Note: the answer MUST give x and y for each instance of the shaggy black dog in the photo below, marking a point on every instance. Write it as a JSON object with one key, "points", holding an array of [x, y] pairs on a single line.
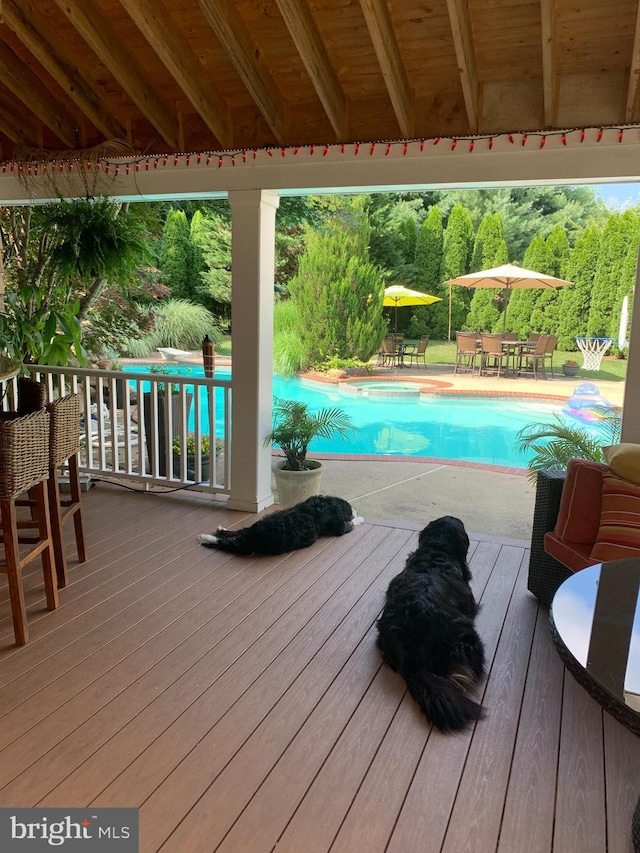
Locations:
{"points": [[426, 631], [288, 529]]}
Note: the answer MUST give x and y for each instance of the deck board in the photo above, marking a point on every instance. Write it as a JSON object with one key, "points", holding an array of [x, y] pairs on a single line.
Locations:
{"points": [[241, 705]]}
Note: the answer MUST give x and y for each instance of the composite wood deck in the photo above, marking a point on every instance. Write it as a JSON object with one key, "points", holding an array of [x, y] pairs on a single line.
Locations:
{"points": [[241, 705]]}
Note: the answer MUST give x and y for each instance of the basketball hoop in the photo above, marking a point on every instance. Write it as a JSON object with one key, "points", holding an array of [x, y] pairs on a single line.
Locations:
{"points": [[593, 350]]}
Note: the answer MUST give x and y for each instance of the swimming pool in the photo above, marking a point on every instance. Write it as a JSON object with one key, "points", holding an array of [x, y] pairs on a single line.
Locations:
{"points": [[471, 429]]}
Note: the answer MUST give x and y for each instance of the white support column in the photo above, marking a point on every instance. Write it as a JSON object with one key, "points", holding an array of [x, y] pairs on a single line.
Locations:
{"points": [[253, 263], [631, 402]]}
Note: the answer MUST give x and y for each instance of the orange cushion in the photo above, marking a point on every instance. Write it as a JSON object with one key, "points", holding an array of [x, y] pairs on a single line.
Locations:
{"points": [[579, 512], [619, 532], [573, 555]]}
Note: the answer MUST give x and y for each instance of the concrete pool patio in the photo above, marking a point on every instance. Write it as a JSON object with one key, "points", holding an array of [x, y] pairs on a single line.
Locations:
{"points": [[489, 500]]}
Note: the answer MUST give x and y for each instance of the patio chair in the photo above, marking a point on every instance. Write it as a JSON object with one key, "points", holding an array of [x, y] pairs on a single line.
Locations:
{"points": [[552, 343], [493, 358], [466, 352], [416, 353], [64, 446], [387, 353], [24, 468], [531, 358]]}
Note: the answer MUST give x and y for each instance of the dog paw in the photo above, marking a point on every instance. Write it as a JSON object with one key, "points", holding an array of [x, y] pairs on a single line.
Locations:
{"points": [[221, 528], [207, 539], [357, 519]]}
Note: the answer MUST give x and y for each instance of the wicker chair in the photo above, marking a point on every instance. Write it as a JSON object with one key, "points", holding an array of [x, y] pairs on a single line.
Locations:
{"points": [[545, 572], [24, 466], [64, 445]]}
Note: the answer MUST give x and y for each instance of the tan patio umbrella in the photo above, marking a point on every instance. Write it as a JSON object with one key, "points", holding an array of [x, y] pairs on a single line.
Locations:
{"points": [[509, 277], [399, 296]]}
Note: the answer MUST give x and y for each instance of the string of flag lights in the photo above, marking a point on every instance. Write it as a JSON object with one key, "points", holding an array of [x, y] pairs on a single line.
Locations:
{"points": [[116, 166]]}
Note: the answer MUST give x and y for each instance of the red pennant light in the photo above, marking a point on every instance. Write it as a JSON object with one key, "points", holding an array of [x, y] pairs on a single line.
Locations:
{"points": [[490, 143], [582, 135], [188, 160], [387, 149], [244, 156], [422, 144], [356, 148], [564, 138], [312, 149], [620, 135], [198, 158], [404, 149], [600, 134], [510, 138], [208, 159], [524, 141], [325, 150], [436, 140], [472, 145], [454, 143], [175, 161], [543, 141], [127, 168], [233, 159], [372, 148]]}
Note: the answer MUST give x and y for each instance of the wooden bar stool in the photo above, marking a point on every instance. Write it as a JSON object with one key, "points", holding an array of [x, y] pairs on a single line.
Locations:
{"points": [[64, 446], [24, 467]]}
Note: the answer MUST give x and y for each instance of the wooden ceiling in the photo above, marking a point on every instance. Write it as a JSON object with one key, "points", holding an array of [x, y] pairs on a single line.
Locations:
{"points": [[199, 75]]}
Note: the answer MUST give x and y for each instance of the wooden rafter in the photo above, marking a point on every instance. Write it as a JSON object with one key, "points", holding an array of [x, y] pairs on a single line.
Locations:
{"points": [[314, 56], [463, 41], [158, 28], [549, 61], [240, 46], [14, 127], [378, 20], [86, 97], [27, 88], [96, 30], [631, 111]]}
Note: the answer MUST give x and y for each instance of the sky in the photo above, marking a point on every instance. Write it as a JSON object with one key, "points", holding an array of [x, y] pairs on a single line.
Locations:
{"points": [[619, 196]]}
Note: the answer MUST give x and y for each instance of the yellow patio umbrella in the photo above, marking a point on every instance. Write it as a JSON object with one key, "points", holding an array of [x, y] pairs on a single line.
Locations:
{"points": [[399, 296], [509, 277]]}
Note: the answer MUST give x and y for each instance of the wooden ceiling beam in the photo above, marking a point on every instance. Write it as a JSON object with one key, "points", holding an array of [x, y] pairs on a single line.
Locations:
{"points": [[631, 110], [241, 49], [314, 56], [34, 95], [159, 29], [16, 129], [463, 42], [376, 13], [87, 98], [98, 33], [549, 61]]}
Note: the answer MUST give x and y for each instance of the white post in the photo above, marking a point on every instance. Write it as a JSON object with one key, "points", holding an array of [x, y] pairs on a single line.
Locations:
{"points": [[631, 402], [253, 264]]}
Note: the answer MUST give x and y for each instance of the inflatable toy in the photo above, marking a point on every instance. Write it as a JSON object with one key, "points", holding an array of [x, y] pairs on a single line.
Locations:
{"points": [[586, 404]]}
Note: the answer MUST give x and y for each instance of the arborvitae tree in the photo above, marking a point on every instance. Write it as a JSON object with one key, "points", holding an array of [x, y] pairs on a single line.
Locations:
{"points": [[213, 238], [198, 228], [490, 250], [522, 302], [458, 246], [430, 320], [626, 285], [574, 300], [338, 293], [618, 232], [175, 254], [545, 316]]}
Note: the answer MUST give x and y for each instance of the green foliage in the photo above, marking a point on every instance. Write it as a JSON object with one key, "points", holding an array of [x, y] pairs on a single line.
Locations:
{"points": [[294, 427], [618, 233], [429, 277], [176, 260], [489, 251], [179, 324], [556, 443], [457, 249], [575, 300], [190, 444], [289, 353], [337, 363], [212, 236], [338, 293]]}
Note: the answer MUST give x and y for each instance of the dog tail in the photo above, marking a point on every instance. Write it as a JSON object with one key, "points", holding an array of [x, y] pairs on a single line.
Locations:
{"points": [[442, 701]]}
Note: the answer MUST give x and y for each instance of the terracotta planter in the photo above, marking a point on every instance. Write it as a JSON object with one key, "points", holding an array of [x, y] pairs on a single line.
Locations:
{"points": [[295, 486]]}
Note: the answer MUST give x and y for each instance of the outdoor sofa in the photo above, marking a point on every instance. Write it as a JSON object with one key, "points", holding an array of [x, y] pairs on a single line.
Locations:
{"points": [[586, 515]]}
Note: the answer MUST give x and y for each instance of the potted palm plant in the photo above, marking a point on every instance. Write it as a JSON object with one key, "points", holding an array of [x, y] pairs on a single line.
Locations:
{"points": [[294, 427]]}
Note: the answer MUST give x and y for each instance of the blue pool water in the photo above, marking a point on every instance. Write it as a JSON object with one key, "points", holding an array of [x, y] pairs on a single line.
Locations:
{"points": [[465, 428]]}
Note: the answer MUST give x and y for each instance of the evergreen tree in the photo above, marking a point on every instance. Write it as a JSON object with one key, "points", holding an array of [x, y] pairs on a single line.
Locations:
{"points": [[458, 246], [626, 284], [619, 231], [545, 315], [212, 236], [432, 320], [490, 250], [175, 254], [574, 301], [338, 293]]}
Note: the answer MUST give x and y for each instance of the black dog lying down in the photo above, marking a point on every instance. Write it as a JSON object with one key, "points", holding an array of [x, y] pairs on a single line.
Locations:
{"points": [[426, 631], [288, 529]]}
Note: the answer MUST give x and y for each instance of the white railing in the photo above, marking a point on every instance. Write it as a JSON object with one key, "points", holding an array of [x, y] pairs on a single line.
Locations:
{"points": [[133, 424]]}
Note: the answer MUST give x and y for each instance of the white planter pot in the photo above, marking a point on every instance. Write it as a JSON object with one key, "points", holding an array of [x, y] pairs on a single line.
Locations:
{"points": [[295, 486]]}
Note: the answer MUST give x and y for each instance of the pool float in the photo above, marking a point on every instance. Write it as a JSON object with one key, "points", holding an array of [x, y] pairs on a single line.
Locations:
{"points": [[586, 404]]}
